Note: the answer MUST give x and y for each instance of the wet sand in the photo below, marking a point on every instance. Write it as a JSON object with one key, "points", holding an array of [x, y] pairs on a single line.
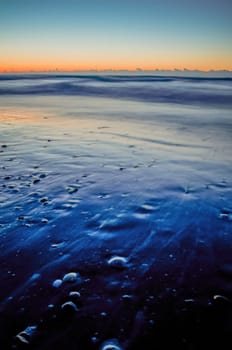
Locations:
{"points": [[116, 224]]}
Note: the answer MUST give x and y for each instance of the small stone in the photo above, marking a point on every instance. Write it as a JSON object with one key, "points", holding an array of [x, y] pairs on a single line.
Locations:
{"points": [[57, 283], [118, 262], [71, 189], [103, 314], [190, 300], [42, 176], [94, 339], [69, 306], [44, 200], [221, 299], [70, 277], [127, 297], [225, 214], [111, 345], [74, 295], [44, 221], [4, 146], [36, 180], [25, 336]]}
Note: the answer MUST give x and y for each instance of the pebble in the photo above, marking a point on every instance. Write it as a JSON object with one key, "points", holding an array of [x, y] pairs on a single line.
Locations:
{"points": [[69, 306], [44, 221], [71, 189], [36, 180], [118, 262], [103, 314], [42, 176], [94, 339], [225, 213], [74, 295], [111, 345], [225, 216], [26, 335], [221, 298], [190, 300], [44, 200], [57, 283], [127, 297], [70, 277]]}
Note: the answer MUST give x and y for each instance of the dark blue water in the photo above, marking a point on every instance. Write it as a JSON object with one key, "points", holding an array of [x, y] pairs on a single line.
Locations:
{"points": [[115, 212]]}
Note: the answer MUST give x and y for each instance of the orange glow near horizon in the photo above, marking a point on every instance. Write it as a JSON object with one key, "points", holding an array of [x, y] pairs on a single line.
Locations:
{"points": [[125, 65], [93, 59]]}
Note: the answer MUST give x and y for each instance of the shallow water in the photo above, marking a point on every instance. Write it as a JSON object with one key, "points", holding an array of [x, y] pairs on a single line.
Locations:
{"points": [[115, 214]]}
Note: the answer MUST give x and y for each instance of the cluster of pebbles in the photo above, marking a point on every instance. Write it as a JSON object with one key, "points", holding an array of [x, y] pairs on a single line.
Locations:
{"points": [[67, 309]]}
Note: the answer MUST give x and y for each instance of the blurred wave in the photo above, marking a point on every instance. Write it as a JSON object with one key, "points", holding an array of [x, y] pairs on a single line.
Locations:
{"points": [[203, 91]]}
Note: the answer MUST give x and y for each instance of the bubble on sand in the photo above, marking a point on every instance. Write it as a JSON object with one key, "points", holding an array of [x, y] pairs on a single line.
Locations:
{"points": [[111, 344], [71, 277], [118, 262], [57, 283]]}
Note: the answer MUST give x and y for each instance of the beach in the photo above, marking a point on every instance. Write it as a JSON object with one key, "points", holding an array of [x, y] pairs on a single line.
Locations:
{"points": [[115, 212]]}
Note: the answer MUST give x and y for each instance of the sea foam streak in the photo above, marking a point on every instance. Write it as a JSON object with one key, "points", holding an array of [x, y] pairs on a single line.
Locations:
{"points": [[116, 214], [206, 91]]}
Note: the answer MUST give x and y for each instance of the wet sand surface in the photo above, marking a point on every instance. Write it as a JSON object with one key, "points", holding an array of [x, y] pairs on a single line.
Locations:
{"points": [[115, 224]]}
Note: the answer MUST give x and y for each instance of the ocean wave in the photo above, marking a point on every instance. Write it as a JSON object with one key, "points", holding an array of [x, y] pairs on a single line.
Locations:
{"points": [[202, 91]]}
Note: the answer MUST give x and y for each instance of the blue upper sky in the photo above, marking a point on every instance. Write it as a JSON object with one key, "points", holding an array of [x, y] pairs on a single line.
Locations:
{"points": [[74, 34]]}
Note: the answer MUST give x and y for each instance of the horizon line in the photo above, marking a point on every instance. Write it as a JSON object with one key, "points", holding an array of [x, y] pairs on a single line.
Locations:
{"points": [[137, 70]]}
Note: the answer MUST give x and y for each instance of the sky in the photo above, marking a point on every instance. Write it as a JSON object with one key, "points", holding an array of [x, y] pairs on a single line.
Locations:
{"points": [[41, 35]]}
